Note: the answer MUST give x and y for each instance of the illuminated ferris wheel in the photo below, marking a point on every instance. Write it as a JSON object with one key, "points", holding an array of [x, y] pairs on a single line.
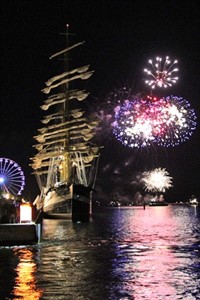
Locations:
{"points": [[12, 179]]}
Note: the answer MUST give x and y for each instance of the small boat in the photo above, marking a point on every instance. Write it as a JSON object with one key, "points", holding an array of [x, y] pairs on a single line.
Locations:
{"points": [[193, 201], [158, 203], [67, 158]]}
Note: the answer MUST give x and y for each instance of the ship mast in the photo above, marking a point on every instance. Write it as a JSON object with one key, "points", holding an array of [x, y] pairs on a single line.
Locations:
{"points": [[63, 144], [65, 171], [65, 166]]}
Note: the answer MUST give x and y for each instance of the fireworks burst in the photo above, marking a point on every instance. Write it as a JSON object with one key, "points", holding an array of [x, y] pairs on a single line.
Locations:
{"points": [[157, 180], [143, 121], [139, 121], [176, 121], [133, 125], [162, 72]]}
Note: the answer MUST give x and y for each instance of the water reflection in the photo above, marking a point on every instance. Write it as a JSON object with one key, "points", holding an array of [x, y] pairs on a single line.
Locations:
{"points": [[25, 282], [148, 269], [157, 250], [125, 253]]}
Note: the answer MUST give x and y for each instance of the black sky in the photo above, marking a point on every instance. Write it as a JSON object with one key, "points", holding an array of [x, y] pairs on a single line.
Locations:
{"points": [[120, 37]]}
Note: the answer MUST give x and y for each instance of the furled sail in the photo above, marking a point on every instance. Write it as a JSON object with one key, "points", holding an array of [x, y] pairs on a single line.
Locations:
{"points": [[83, 76]]}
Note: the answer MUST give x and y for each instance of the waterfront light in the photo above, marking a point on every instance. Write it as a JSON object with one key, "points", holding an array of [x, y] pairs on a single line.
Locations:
{"points": [[25, 213]]}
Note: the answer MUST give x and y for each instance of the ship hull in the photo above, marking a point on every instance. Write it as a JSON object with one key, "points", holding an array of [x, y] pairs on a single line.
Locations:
{"points": [[81, 204], [74, 204]]}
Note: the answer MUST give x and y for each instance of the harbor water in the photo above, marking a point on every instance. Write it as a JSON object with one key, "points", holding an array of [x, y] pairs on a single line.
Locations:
{"points": [[123, 253]]}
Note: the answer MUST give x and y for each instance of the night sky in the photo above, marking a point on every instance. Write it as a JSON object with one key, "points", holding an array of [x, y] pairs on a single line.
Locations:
{"points": [[120, 38]]}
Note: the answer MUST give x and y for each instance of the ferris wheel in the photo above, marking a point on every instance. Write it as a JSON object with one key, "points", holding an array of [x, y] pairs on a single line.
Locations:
{"points": [[12, 179]]}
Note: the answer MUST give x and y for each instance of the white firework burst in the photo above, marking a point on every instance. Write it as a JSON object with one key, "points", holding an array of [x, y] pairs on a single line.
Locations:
{"points": [[157, 180], [161, 72]]}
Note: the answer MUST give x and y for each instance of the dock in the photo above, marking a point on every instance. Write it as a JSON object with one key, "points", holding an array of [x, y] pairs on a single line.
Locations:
{"points": [[19, 234]]}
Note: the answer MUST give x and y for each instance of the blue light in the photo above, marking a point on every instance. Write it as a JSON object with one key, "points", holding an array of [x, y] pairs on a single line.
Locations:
{"points": [[1, 180]]}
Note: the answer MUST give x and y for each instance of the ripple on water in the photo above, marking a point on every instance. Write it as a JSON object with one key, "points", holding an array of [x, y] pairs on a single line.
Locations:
{"points": [[124, 254]]}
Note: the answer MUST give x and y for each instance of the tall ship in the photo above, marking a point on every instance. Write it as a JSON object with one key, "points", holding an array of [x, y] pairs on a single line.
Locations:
{"points": [[66, 161]]}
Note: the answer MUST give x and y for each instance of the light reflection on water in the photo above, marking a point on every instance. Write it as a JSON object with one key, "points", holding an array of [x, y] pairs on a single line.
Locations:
{"points": [[125, 253], [25, 280]]}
